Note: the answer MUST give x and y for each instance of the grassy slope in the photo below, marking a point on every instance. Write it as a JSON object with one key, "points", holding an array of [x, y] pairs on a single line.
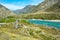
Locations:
{"points": [[27, 32], [41, 15], [49, 13]]}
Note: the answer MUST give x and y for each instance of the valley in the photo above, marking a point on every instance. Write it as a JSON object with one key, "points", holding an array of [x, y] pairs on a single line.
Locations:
{"points": [[28, 31], [33, 22]]}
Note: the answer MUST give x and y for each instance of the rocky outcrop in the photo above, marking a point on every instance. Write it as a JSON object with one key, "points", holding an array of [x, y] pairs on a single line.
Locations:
{"points": [[4, 12], [51, 2]]}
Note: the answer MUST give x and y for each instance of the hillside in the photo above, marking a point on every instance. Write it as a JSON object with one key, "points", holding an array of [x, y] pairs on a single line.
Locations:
{"points": [[54, 8], [25, 10], [45, 12], [30, 9], [4, 12], [28, 31], [42, 15], [40, 7]]}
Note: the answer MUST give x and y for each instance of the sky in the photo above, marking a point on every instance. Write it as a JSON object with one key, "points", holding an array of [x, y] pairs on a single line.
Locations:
{"points": [[19, 4]]}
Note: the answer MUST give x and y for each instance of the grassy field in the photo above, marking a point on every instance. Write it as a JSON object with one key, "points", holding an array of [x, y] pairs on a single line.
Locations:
{"points": [[42, 15], [28, 31]]}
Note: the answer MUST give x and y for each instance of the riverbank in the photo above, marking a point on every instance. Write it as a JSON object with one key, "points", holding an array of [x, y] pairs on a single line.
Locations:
{"points": [[53, 20], [52, 23], [47, 20]]}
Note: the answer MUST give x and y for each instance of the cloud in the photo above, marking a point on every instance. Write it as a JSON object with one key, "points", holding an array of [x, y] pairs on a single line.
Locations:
{"points": [[12, 7], [36, 2], [18, 4]]}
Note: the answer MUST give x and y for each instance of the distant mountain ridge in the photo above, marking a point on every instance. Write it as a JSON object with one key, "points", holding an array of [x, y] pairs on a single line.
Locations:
{"points": [[48, 10], [27, 9], [44, 6]]}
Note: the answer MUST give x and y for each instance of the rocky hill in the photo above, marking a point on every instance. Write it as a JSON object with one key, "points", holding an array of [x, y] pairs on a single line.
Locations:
{"points": [[27, 9], [52, 6], [45, 10], [4, 12]]}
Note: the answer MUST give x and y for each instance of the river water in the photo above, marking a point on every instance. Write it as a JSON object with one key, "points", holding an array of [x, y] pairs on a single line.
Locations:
{"points": [[48, 23]]}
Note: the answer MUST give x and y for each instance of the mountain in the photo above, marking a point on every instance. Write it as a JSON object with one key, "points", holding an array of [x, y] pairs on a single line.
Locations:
{"points": [[49, 6], [49, 10], [4, 12], [27, 9], [54, 8]]}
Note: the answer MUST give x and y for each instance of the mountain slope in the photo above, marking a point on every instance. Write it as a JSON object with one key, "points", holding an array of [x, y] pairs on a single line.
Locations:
{"points": [[27, 9], [45, 12], [54, 8], [44, 6], [4, 12]]}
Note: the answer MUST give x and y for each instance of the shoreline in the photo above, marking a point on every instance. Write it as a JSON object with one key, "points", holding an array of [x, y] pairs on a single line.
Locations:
{"points": [[52, 20], [47, 20]]}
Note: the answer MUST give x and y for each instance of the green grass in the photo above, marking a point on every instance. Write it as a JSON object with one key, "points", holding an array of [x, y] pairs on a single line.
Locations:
{"points": [[25, 21], [31, 32], [46, 16], [8, 19]]}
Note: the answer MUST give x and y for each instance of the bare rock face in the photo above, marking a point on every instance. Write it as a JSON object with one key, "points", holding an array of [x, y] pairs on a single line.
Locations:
{"points": [[48, 3], [51, 2]]}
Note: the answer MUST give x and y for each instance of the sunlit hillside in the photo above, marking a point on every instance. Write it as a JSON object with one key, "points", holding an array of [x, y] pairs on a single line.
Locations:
{"points": [[28, 31], [4, 12], [44, 12]]}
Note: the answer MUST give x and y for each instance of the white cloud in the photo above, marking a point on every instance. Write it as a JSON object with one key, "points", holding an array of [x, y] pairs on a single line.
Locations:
{"points": [[36, 2], [12, 7], [15, 7]]}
